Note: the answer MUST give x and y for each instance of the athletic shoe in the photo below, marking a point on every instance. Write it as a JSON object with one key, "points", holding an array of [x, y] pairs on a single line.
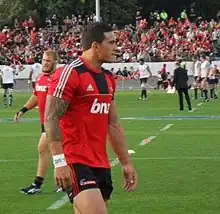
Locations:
{"points": [[31, 190]]}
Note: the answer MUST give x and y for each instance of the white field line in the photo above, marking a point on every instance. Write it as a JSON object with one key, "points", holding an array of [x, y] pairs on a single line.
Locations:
{"points": [[193, 110], [114, 161], [178, 158], [17, 160], [166, 127], [26, 160], [199, 104], [59, 203], [147, 140]]}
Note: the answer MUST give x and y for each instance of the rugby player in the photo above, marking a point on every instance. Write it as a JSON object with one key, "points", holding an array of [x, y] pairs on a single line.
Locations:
{"points": [[49, 62], [80, 105]]}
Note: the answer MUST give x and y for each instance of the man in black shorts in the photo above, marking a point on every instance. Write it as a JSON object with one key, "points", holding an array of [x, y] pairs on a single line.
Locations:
{"points": [[144, 74], [80, 105], [7, 74]]}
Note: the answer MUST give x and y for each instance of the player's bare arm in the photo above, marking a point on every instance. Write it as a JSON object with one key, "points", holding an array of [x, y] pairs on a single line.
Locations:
{"points": [[54, 110], [118, 143], [30, 75], [31, 103], [117, 136], [148, 68]]}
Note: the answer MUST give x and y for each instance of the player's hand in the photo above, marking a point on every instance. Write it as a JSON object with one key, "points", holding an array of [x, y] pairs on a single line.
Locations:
{"points": [[130, 177], [17, 116], [63, 177]]}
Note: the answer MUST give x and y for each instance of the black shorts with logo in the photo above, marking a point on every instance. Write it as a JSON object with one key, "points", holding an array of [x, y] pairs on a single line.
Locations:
{"points": [[86, 177]]}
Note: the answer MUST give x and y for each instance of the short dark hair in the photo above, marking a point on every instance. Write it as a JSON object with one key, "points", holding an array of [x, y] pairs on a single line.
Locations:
{"points": [[177, 63], [94, 32], [203, 56]]}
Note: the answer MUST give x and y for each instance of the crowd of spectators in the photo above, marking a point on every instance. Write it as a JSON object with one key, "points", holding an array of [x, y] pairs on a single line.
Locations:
{"points": [[157, 38]]}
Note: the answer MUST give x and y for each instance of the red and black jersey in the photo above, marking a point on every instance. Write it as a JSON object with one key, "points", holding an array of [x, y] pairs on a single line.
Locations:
{"points": [[84, 125], [40, 90]]}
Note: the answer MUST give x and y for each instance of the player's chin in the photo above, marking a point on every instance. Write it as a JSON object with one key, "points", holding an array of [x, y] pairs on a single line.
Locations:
{"points": [[47, 71], [111, 59]]}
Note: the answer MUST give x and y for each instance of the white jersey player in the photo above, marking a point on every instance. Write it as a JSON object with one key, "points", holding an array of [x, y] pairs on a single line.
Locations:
{"points": [[197, 77], [7, 74], [205, 70], [197, 69], [36, 70], [144, 73], [159, 80], [211, 81]]}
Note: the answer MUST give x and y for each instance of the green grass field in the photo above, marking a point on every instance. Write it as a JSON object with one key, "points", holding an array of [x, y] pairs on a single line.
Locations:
{"points": [[179, 171]]}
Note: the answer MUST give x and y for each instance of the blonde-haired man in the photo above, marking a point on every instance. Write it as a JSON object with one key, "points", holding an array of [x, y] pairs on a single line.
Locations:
{"points": [[49, 62]]}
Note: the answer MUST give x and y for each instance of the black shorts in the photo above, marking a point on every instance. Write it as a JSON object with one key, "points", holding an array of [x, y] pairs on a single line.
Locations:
{"points": [[7, 85], [202, 78], [211, 81], [216, 80], [86, 177], [42, 128], [143, 80]]}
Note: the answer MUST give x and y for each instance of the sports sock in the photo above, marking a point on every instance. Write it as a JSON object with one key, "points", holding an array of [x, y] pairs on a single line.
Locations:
{"points": [[142, 93], [5, 100], [10, 99], [196, 92], [201, 93], [206, 93], [212, 93], [145, 94], [38, 181]]}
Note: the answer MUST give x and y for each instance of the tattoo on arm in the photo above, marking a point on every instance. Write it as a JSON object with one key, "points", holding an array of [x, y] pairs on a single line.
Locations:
{"points": [[55, 109]]}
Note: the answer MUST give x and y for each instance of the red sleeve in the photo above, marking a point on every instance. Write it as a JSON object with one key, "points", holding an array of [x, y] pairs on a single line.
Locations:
{"points": [[113, 86], [63, 83]]}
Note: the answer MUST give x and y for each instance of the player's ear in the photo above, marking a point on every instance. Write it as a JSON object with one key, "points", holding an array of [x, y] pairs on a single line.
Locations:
{"points": [[95, 46]]}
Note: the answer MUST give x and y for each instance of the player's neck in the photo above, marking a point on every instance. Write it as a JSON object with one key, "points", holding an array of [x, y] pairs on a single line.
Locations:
{"points": [[92, 60], [48, 73]]}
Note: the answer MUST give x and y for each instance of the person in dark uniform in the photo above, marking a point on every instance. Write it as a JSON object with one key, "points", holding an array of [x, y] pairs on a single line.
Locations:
{"points": [[180, 81]]}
